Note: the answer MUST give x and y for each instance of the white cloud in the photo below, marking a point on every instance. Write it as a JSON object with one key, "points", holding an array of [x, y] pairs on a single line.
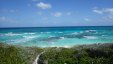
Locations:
{"points": [[57, 14], [98, 11], [103, 10], [107, 13], [43, 5], [109, 10]]}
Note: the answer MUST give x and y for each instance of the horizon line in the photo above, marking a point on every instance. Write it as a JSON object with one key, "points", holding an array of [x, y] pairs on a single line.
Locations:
{"points": [[54, 26]]}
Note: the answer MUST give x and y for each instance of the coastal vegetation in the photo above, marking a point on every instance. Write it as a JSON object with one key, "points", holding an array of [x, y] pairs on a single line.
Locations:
{"points": [[81, 54], [84, 54], [10, 54]]}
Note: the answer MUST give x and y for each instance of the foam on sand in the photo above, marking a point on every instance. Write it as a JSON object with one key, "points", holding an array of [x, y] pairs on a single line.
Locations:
{"points": [[66, 46]]}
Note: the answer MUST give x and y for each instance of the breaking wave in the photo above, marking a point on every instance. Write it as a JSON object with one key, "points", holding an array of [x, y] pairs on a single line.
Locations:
{"points": [[90, 37], [30, 33], [24, 39], [11, 34]]}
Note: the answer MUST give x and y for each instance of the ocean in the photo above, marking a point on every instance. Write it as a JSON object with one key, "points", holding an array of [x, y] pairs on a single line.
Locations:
{"points": [[56, 36]]}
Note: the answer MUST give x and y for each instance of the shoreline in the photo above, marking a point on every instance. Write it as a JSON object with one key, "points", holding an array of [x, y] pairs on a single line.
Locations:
{"points": [[65, 46]]}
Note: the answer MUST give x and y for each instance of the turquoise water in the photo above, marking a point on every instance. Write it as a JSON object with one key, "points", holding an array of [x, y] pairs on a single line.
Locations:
{"points": [[56, 36]]}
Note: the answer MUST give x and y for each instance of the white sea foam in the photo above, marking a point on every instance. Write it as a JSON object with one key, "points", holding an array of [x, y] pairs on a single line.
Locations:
{"points": [[51, 36], [104, 35], [30, 37], [66, 46], [60, 32], [25, 39], [29, 33], [90, 37], [17, 41], [75, 33], [62, 37], [87, 31], [81, 32], [52, 42], [52, 46], [12, 34], [90, 31]]}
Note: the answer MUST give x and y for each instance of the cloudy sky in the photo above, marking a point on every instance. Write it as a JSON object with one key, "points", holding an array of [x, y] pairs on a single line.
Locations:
{"points": [[42, 13]]}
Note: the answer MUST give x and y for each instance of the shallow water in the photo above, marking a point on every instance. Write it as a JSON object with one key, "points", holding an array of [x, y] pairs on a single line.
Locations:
{"points": [[56, 36]]}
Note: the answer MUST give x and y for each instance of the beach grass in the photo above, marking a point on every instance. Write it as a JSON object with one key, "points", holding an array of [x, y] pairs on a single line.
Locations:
{"points": [[10, 54], [82, 54]]}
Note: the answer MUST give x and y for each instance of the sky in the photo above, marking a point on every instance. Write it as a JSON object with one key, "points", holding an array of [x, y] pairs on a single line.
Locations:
{"points": [[46, 13]]}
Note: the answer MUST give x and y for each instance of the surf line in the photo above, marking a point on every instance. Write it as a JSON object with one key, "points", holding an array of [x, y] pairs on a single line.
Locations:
{"points": [[37, 58]]}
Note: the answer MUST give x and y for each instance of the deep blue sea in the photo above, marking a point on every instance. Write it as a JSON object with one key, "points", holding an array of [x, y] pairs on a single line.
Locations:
{"points": [[56, 36]]}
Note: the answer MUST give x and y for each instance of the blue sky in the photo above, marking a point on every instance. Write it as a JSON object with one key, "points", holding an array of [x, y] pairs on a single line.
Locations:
{"points": [[42, 13]]}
